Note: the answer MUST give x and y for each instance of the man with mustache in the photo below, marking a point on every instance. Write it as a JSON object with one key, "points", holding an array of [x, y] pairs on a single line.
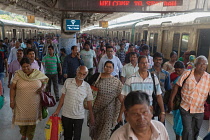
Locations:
{"points": [[138, 115], [194, 93], [162, 75], [142, 80], [74, 92]]}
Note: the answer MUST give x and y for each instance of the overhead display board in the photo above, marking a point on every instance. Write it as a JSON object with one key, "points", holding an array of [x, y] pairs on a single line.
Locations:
{"points": [[71, 25], [127, 5]]}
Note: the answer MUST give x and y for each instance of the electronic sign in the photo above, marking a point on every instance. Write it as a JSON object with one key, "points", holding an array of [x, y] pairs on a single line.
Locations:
{"points": [[71, 25], [120, 5]]}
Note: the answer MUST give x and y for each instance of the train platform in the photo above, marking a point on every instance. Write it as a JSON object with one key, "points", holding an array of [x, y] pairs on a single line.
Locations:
{"points": [[7, 132]]}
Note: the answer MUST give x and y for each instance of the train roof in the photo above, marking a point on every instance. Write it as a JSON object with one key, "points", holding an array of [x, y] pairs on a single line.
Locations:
{"points": [[184, 18], [22, 24]]}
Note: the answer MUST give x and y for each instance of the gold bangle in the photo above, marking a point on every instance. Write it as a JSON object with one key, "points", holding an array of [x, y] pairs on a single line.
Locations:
{"points": [[163, 113]]}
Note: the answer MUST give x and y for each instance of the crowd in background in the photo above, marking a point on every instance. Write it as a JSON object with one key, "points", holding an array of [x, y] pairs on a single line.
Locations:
{"points": [[119, 67]]}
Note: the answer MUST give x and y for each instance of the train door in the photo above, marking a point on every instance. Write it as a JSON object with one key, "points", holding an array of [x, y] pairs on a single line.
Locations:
{"points": [[204, 44], [145, 33], [164, 46], [176, 40], [14, 33]]}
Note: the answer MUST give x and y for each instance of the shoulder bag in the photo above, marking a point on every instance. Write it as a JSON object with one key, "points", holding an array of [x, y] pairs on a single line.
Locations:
{"points": [[47, 100], [178, 98], [94, 92], [156, 108]]}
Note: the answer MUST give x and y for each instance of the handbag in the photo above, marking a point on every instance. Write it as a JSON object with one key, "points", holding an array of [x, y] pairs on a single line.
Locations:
{"points": [[156, 108], [47, 100], [44, 112], [206, 111], [178, 98], [94, 93]]}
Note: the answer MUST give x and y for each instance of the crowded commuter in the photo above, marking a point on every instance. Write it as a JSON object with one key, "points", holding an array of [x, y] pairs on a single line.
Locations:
{"points": [[30, 46], [25, 90], [169, 65], [71, 63], [48, 43], [3, 47], [162, 75], [107, 103], [52, 65], [185, 58], [130, 50], [110, 57], [13, 52], [40, 49], [89, 58], [140, 125], [61, 79], [193, 96], [130, 68], [35, 64], [3, 66], [143, 80], [15, 65], [23, 44], [146, 52], [7, 44], [74, 92], [121, 53], [190, 64], [177, 119]]}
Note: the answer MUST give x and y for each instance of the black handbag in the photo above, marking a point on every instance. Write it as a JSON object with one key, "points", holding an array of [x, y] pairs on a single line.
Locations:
{"points": [[178, 98], [156, 107]]}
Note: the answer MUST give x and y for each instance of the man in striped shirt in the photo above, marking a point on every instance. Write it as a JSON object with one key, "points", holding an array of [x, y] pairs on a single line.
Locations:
{"points": [[142, 80], [51, 62]]}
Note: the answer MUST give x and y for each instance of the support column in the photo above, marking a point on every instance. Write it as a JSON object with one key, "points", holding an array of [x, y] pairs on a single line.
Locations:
{"points": [[67, 41]]}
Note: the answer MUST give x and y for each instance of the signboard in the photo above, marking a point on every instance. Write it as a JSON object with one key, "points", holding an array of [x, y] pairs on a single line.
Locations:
{"points": [[103, 24], [71, 25], [31, 19], [125, 5]]}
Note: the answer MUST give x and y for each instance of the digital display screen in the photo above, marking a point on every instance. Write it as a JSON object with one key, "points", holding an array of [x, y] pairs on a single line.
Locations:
{"points": [[118, 5], [71, 25]]}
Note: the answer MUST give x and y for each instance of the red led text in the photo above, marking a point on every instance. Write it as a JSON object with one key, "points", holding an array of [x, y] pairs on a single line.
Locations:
{"points": [[135, 3]]}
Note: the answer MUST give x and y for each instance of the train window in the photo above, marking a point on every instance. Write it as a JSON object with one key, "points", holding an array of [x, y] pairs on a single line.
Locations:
{"points": [[176, 42], [145, 35], [184, 44], [124, 34], [155, 43], [136, 38], [128, 36]]}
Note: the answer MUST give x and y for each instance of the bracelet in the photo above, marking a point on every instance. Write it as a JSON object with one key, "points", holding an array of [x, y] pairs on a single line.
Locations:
{"points": [[163, 113]]}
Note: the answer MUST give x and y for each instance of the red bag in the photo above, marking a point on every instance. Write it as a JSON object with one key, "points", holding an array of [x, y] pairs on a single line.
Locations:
{"points": [[206, 111], [47, 99]]}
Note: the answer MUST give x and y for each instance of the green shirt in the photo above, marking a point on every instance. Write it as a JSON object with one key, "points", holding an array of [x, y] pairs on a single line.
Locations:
{"points": [[51, 64]]}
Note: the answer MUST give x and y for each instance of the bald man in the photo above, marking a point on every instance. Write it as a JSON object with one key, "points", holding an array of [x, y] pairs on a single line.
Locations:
{"points": [[74, 92]]}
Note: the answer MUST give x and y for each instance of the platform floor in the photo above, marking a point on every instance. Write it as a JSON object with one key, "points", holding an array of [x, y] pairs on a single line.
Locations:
{"points": [[9, 133]]}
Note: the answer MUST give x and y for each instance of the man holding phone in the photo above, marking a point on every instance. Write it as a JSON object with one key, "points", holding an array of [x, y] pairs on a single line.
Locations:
{"points": [[71, 63]]}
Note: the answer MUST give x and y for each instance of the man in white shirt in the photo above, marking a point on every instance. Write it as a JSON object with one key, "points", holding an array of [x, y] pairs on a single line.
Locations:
{"points": [[130, 68], [109, 56], [13, 52], [74, 92], [138, 115]]}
